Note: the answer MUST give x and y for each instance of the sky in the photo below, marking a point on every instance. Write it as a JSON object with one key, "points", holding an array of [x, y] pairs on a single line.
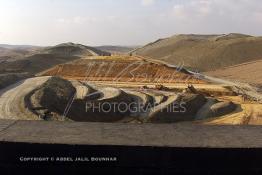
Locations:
{"points": [[123, 22]]}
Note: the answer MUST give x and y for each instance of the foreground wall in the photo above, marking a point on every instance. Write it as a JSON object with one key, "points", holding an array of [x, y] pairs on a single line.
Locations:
{"points": [[140, 149]]}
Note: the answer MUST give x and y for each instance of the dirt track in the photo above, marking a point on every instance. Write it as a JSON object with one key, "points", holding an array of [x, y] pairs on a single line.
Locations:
{"points": [[12, 99]]}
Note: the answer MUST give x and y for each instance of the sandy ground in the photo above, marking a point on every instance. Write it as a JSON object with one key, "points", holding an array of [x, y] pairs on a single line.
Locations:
{"points": [[250, 72], [210, 87], [12, 99], [248, 113]]}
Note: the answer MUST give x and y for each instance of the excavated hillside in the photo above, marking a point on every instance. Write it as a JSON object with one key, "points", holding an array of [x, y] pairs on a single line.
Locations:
{"points": [[204, 52], [60, 99], [126, 69]]}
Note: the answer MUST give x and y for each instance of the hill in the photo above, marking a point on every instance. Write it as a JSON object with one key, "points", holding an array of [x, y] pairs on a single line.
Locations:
{"points": [[249, 72], [13, 53], [204, 52], [46, 58], [71, 49]]}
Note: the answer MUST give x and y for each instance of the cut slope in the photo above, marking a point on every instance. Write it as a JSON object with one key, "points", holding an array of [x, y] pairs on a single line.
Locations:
{"points": [[121, 70], [204, 52]]}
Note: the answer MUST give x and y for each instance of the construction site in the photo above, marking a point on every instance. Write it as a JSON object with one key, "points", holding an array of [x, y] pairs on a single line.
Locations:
{"points": [[129, 89]]}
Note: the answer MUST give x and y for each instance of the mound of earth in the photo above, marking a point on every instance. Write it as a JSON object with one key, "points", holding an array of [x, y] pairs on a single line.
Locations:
{"points": [[112, 105], [55, 94], [204, 52], [98, 105], [84, 102], [222, 108], [214, 108], [192, 103], [183, 108]]}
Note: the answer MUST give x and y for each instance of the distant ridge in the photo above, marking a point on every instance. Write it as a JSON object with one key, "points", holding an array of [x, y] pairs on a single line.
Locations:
{"points": [[116, 49], [72, 49], [204, 52], [9, 46], [46, 58]]}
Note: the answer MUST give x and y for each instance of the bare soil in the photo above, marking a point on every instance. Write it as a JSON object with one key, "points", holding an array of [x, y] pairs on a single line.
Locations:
{"points": [[125, 69], [250, 72], [204, 52]]}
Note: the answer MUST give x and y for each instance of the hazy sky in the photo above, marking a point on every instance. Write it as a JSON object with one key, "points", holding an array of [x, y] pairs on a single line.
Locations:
{"points": [[122, 22]]}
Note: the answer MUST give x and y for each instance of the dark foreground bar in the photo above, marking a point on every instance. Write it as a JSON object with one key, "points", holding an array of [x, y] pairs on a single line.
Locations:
{"points": [[129, 159], [137, 149]]}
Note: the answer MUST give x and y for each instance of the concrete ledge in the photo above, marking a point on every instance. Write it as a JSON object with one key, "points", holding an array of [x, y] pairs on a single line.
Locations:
{"points": [[181, 135], [4, 124]]}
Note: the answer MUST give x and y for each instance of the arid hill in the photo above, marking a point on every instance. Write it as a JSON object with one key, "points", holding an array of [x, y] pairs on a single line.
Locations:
{"points": [[204, 52], [71, 49], [8, 79], [47, 58], [15, 63], [249, 72], [12, 53]]}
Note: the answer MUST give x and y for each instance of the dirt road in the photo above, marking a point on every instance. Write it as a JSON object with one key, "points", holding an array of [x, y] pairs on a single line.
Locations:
{"points": [[241, 88], [118, 84], [12, 99]]}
